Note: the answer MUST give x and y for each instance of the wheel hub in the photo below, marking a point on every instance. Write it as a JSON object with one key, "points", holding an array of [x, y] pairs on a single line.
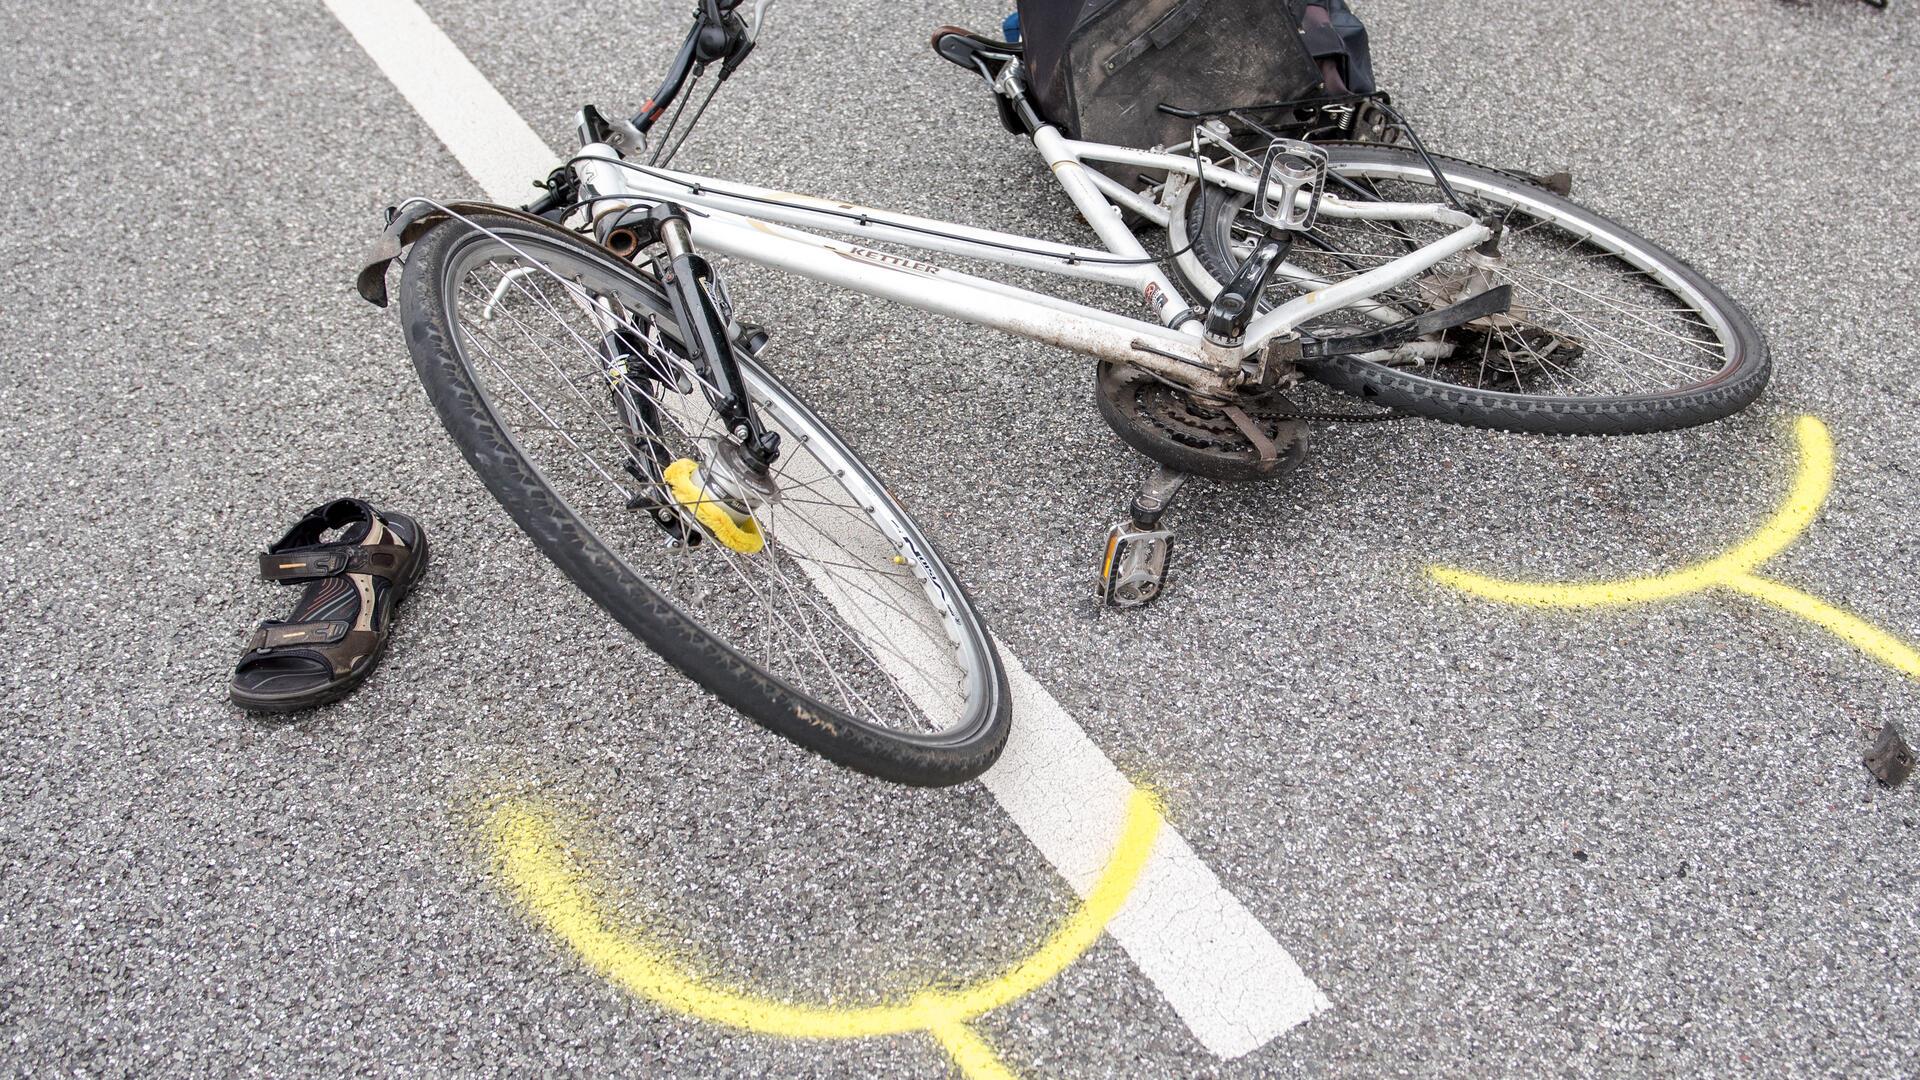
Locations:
{"points": [[1512, 351]]}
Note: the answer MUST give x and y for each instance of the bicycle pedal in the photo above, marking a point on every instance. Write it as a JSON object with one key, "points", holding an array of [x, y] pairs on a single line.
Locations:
{"points": [[1292, 176], [1135, 568]]}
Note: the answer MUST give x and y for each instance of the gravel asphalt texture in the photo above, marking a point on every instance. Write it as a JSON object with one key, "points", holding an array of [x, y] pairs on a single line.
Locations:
{"points": [[1500, 841]]}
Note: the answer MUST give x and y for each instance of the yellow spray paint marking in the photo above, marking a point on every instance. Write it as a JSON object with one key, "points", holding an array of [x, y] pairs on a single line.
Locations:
{"points": [[530, 853], [1736, 570], [682, 479]]}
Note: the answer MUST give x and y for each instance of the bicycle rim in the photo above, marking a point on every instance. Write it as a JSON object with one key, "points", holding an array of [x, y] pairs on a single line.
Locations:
{"points": [[845, 604], [1608, 333]]}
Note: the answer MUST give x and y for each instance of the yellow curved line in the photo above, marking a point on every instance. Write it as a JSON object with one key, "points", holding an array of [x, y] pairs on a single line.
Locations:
{"points": [[975, 1058], [1811, 484], [1844, 625], [530, 854]]}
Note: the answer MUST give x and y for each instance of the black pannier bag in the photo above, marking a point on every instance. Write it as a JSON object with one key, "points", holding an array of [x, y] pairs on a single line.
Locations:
{"points": [[1100, 68]]}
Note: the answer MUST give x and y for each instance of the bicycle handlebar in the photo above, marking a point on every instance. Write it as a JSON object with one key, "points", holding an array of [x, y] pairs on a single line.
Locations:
{"points": [[719, 34]]}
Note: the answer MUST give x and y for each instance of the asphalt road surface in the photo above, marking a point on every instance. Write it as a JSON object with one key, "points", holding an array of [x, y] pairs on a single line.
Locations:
{"points": [[1497, 840]]}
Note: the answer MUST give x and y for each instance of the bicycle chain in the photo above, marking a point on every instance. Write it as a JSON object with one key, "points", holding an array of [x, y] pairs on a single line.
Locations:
{"points": [[1381, 417]]}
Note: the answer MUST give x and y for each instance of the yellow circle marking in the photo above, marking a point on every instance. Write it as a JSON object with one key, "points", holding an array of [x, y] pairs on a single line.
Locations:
{"points": [[531, 856], [1735, 570], [712, 517]]}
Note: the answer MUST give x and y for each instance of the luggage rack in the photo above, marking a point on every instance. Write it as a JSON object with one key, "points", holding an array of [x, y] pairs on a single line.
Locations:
{"points": [[1347, 117], [1372, 114]]}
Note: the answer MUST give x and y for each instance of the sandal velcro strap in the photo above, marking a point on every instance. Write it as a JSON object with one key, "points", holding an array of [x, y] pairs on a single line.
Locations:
{"points": [[302, 565], [309, 634], [307, 564]]}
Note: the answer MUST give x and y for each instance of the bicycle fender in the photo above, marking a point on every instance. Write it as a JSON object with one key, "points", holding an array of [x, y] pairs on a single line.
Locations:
{"points": [[404, 226]]}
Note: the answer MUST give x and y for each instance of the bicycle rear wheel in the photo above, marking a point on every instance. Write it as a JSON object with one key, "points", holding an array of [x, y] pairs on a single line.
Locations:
{"points": [[818, 608], [1609, 333]]}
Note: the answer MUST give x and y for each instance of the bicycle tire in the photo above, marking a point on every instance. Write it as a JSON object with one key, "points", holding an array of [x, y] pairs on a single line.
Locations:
{"points": [[427, 310], [1735, 386]]}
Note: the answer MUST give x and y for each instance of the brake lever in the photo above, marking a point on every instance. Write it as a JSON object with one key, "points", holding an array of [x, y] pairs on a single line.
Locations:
{"points": [[757, 20], [748, 37]]}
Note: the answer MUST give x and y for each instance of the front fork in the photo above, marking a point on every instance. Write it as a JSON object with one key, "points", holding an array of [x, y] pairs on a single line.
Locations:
{"points": [[693, 290], [737, 470]]}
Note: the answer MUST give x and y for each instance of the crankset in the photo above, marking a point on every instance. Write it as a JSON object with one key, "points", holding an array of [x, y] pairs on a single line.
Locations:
{"points": [[1247, 438]]}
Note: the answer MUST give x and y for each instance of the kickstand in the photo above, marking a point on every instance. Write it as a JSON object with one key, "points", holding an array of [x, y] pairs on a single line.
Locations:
{"points": [[1134, 570]]}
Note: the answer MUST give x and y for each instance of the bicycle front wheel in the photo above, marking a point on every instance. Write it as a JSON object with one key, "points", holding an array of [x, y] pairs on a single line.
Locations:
{"points": [[818, 609], [1609, 334]]}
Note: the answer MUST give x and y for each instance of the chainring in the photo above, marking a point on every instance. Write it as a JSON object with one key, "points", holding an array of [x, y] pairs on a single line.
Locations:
{"points": [[1204, 438]]}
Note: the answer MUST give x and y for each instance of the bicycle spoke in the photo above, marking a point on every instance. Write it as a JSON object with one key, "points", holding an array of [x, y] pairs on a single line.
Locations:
{"points": [[594, 394], [1585, 321]]}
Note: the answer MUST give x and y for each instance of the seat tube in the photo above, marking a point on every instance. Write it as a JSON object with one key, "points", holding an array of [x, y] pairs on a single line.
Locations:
{"points": [[1156, 290]]}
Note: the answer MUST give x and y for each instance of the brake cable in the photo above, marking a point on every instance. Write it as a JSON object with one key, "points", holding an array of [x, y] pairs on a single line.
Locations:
{"points": [[684, 94]]}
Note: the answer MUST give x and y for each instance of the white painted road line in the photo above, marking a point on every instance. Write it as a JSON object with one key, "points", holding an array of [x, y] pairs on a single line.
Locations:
{"points": [[1223, 973], [1233, 984], [486, 136]]}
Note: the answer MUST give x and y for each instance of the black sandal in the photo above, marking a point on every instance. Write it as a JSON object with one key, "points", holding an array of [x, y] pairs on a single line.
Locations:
{"points": [[338, 632]]}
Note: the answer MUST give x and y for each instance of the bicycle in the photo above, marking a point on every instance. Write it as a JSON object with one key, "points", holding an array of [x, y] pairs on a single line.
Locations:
{"points": [[586, 356]]}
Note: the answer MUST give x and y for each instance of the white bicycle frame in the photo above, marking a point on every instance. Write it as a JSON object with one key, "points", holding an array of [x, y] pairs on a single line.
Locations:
{"points": [[763, 226]]}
